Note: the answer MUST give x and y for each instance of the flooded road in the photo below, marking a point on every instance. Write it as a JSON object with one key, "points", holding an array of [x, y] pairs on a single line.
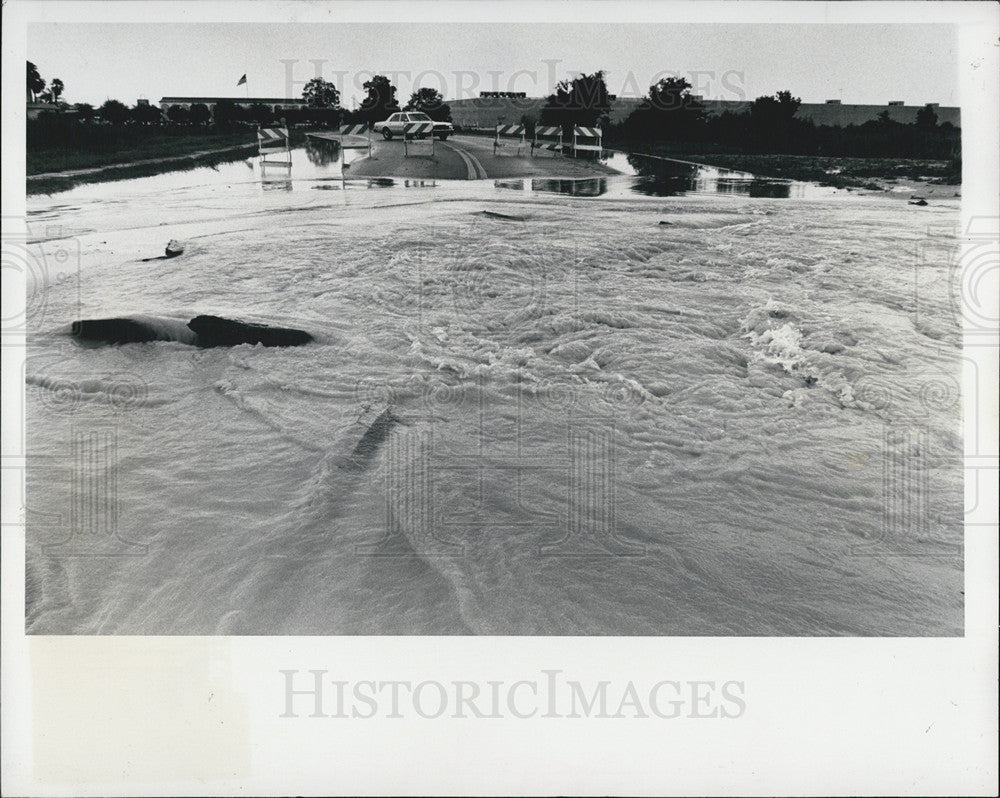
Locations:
{"points": [[673, 402]]}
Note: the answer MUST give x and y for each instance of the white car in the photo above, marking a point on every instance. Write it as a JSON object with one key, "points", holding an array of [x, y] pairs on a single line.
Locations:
{"points": [[395, 124]]}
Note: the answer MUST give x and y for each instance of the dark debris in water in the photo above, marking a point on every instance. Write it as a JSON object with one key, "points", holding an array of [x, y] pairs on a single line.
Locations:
{"points": [[215, 331], [174, 248], [202, 331], [504, 216]]}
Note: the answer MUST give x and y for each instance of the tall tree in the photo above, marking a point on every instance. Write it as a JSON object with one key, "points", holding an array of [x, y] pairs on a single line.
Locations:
{"points": [[789, 105], [431, 102], [114, 112], [319, 93], [927, 117], [36, 85], [772, 121], [56, 87], [668, 113], [581, 101], [380, 100]]}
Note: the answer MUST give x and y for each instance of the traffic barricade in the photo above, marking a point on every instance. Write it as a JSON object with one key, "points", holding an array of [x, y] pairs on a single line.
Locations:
{"points": [[508, 131], [355, 131], [414, 133], [548, 139], [273, 146], [587, 139]]}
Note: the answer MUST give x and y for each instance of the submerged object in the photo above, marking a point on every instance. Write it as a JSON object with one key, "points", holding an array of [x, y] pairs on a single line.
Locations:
{"points": [[217, 331], [505, 216], [203, 331], [373, 438], [132, 330], [174, 248], [920, 202]]}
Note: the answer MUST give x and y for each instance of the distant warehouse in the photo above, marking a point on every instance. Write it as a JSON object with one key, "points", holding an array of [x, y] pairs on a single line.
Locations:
{"points": [[277, 104], [491, 107]]}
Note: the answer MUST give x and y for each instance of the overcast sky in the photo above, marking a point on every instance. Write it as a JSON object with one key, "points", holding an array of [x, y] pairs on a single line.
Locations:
{"points": [[869, 64]]}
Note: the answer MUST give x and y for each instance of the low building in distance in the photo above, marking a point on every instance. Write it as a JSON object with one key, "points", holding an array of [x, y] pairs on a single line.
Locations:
{"points": [[491, 107]]}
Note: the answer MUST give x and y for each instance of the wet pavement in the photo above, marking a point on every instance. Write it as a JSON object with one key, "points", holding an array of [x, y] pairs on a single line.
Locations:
{"points": [[321, 173], [460, 158]]}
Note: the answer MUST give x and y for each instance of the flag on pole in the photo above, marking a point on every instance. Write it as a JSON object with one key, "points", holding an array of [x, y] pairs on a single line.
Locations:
{"points": [[242, 80]]}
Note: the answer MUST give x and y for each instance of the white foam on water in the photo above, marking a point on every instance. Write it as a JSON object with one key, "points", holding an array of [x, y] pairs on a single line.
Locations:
{"points": [[606, 425]]}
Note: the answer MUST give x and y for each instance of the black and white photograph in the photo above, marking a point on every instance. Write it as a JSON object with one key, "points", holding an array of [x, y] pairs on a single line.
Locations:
{"points": [[348, 324]]}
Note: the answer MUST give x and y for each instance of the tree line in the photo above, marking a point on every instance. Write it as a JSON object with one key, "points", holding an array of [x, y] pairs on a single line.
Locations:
{"points": [[321, 99], [668, 117], [378, 103], [671, 117]]}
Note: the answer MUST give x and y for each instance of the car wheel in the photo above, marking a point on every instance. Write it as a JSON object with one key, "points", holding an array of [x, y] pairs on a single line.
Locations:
{"points": [[386, 134]]}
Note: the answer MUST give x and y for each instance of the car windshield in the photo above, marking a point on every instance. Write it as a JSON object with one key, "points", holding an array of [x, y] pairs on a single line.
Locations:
{"points": [[420, 118]]}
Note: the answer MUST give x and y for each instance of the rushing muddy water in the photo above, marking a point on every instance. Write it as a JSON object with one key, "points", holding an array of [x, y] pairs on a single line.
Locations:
{"points": [[582, 412]]}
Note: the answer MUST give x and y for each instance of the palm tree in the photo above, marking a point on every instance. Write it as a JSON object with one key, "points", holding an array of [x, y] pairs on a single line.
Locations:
{"points": [[35, 83], [56, 87]]}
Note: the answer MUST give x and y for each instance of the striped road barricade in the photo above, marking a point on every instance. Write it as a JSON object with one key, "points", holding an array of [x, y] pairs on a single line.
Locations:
{"points": [[510, 132], [413, 131], [355, 131], [273, 146], [587, 139], [548, 139]]}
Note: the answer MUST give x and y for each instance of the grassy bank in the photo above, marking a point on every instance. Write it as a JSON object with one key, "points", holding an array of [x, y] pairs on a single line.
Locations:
{"points": [[56, 183], [842, 172], [155, 144], [53, 169], [872, 173]]}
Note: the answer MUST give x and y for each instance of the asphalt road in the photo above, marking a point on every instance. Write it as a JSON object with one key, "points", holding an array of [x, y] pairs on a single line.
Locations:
{"points": [[466, 158]]}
